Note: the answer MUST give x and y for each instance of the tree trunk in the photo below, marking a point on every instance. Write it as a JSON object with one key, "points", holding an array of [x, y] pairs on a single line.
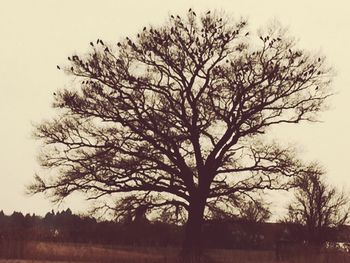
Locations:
{"points": [[191, 250]]}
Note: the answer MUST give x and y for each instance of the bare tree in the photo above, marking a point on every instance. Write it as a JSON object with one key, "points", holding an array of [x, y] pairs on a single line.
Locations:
{"points": [[240, 207], [172, 116], [256, 211], [317, 206]]}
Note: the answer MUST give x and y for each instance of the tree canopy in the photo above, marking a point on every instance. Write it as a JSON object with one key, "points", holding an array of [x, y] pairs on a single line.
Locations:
{"points": [[318, 206], [171, 118]]}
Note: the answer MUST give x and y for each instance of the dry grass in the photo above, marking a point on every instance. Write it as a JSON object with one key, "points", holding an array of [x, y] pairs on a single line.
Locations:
{"points": [[40, 252], [242, 256], [75, 252]]}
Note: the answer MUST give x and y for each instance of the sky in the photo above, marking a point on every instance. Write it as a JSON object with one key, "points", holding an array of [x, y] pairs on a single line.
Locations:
{"points": [[37, 35]]}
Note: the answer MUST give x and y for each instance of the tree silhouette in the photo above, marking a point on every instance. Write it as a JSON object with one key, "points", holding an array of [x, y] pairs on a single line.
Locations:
{"points": [[252, 216], [255, 211], [317, 206], [172, 117]]}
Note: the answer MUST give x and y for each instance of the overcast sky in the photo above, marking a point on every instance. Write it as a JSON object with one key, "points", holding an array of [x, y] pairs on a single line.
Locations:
{"points": [[35, 36]]}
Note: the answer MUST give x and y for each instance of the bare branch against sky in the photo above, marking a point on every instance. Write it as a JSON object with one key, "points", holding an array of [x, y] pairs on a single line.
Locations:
{"points": [[38, 35]]}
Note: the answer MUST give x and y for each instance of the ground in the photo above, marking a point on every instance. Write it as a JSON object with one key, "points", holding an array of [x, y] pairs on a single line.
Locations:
{"points": [[46, 252]]}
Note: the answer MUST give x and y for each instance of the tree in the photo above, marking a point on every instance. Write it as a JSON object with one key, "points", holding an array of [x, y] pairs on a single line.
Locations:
{"points": [[317, 206], [173, 116], [253, 215], [255, 211]]}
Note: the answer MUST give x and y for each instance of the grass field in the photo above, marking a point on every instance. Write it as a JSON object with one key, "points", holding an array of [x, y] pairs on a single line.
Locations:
{"points": [[40, 252]]}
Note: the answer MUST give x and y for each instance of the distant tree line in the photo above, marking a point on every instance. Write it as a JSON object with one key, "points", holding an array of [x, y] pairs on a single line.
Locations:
{"points": [[243, 232], [65, 226]]}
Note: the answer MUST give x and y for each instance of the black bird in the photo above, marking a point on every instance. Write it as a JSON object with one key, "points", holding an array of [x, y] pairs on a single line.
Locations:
{"points": [[246, 34], [54, 93], [71, 68], [319, 59], [189, 10], [194, 14], [279, 39], [172, 16], [92, 44], [68, 58], [316, 88], [208, 12], [118, 44], [102, 42], [144, 28], [178, 16], [106, 49], [58, 67], [98, 40]]}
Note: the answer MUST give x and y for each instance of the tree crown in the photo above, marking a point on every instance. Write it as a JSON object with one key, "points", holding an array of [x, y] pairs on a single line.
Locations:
{"points": [[176, 109]]}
